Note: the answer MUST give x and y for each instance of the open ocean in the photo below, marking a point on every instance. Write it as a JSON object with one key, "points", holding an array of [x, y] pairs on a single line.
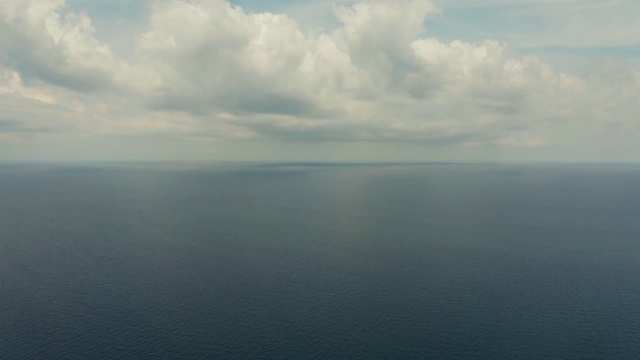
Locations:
{"points": [[319, 261]]}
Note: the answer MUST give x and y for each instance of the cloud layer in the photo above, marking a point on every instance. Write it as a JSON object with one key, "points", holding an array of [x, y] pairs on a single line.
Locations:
{"points": [[210, 70]]}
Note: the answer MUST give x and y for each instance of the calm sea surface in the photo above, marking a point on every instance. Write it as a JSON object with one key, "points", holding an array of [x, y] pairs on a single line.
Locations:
{"points": [[307, 261]]}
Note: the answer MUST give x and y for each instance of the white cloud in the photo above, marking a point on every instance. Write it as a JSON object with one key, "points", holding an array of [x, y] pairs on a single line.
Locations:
{"points": [[207, 69], [373, 78], [14, 85], [45, 41]]}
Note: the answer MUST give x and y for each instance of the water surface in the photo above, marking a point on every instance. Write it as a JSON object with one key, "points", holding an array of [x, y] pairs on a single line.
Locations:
{"points": [[319, 261]]}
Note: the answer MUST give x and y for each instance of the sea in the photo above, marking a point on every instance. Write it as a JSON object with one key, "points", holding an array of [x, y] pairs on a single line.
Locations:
{"points": [[319, 261]]}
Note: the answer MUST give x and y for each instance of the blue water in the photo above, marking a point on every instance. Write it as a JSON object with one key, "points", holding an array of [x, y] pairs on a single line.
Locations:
{"points": [[309, 261]]}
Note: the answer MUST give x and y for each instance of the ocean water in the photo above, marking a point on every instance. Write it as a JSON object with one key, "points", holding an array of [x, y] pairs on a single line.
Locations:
{"points": [[319, 261]]}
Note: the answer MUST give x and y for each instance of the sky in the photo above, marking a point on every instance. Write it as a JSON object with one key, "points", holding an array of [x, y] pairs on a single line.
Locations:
{"points": [[343, 80]]}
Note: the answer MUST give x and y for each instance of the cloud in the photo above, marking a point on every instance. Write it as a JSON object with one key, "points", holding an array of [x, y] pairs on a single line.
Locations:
{"points": [[14, 85], [44, 41], [376, 77], [210, 69], [226, 59]]}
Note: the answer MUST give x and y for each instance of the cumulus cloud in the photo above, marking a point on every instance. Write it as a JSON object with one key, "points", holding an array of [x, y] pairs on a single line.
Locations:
{"points": [[44, 41], [209, 68], [376, 77]]}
